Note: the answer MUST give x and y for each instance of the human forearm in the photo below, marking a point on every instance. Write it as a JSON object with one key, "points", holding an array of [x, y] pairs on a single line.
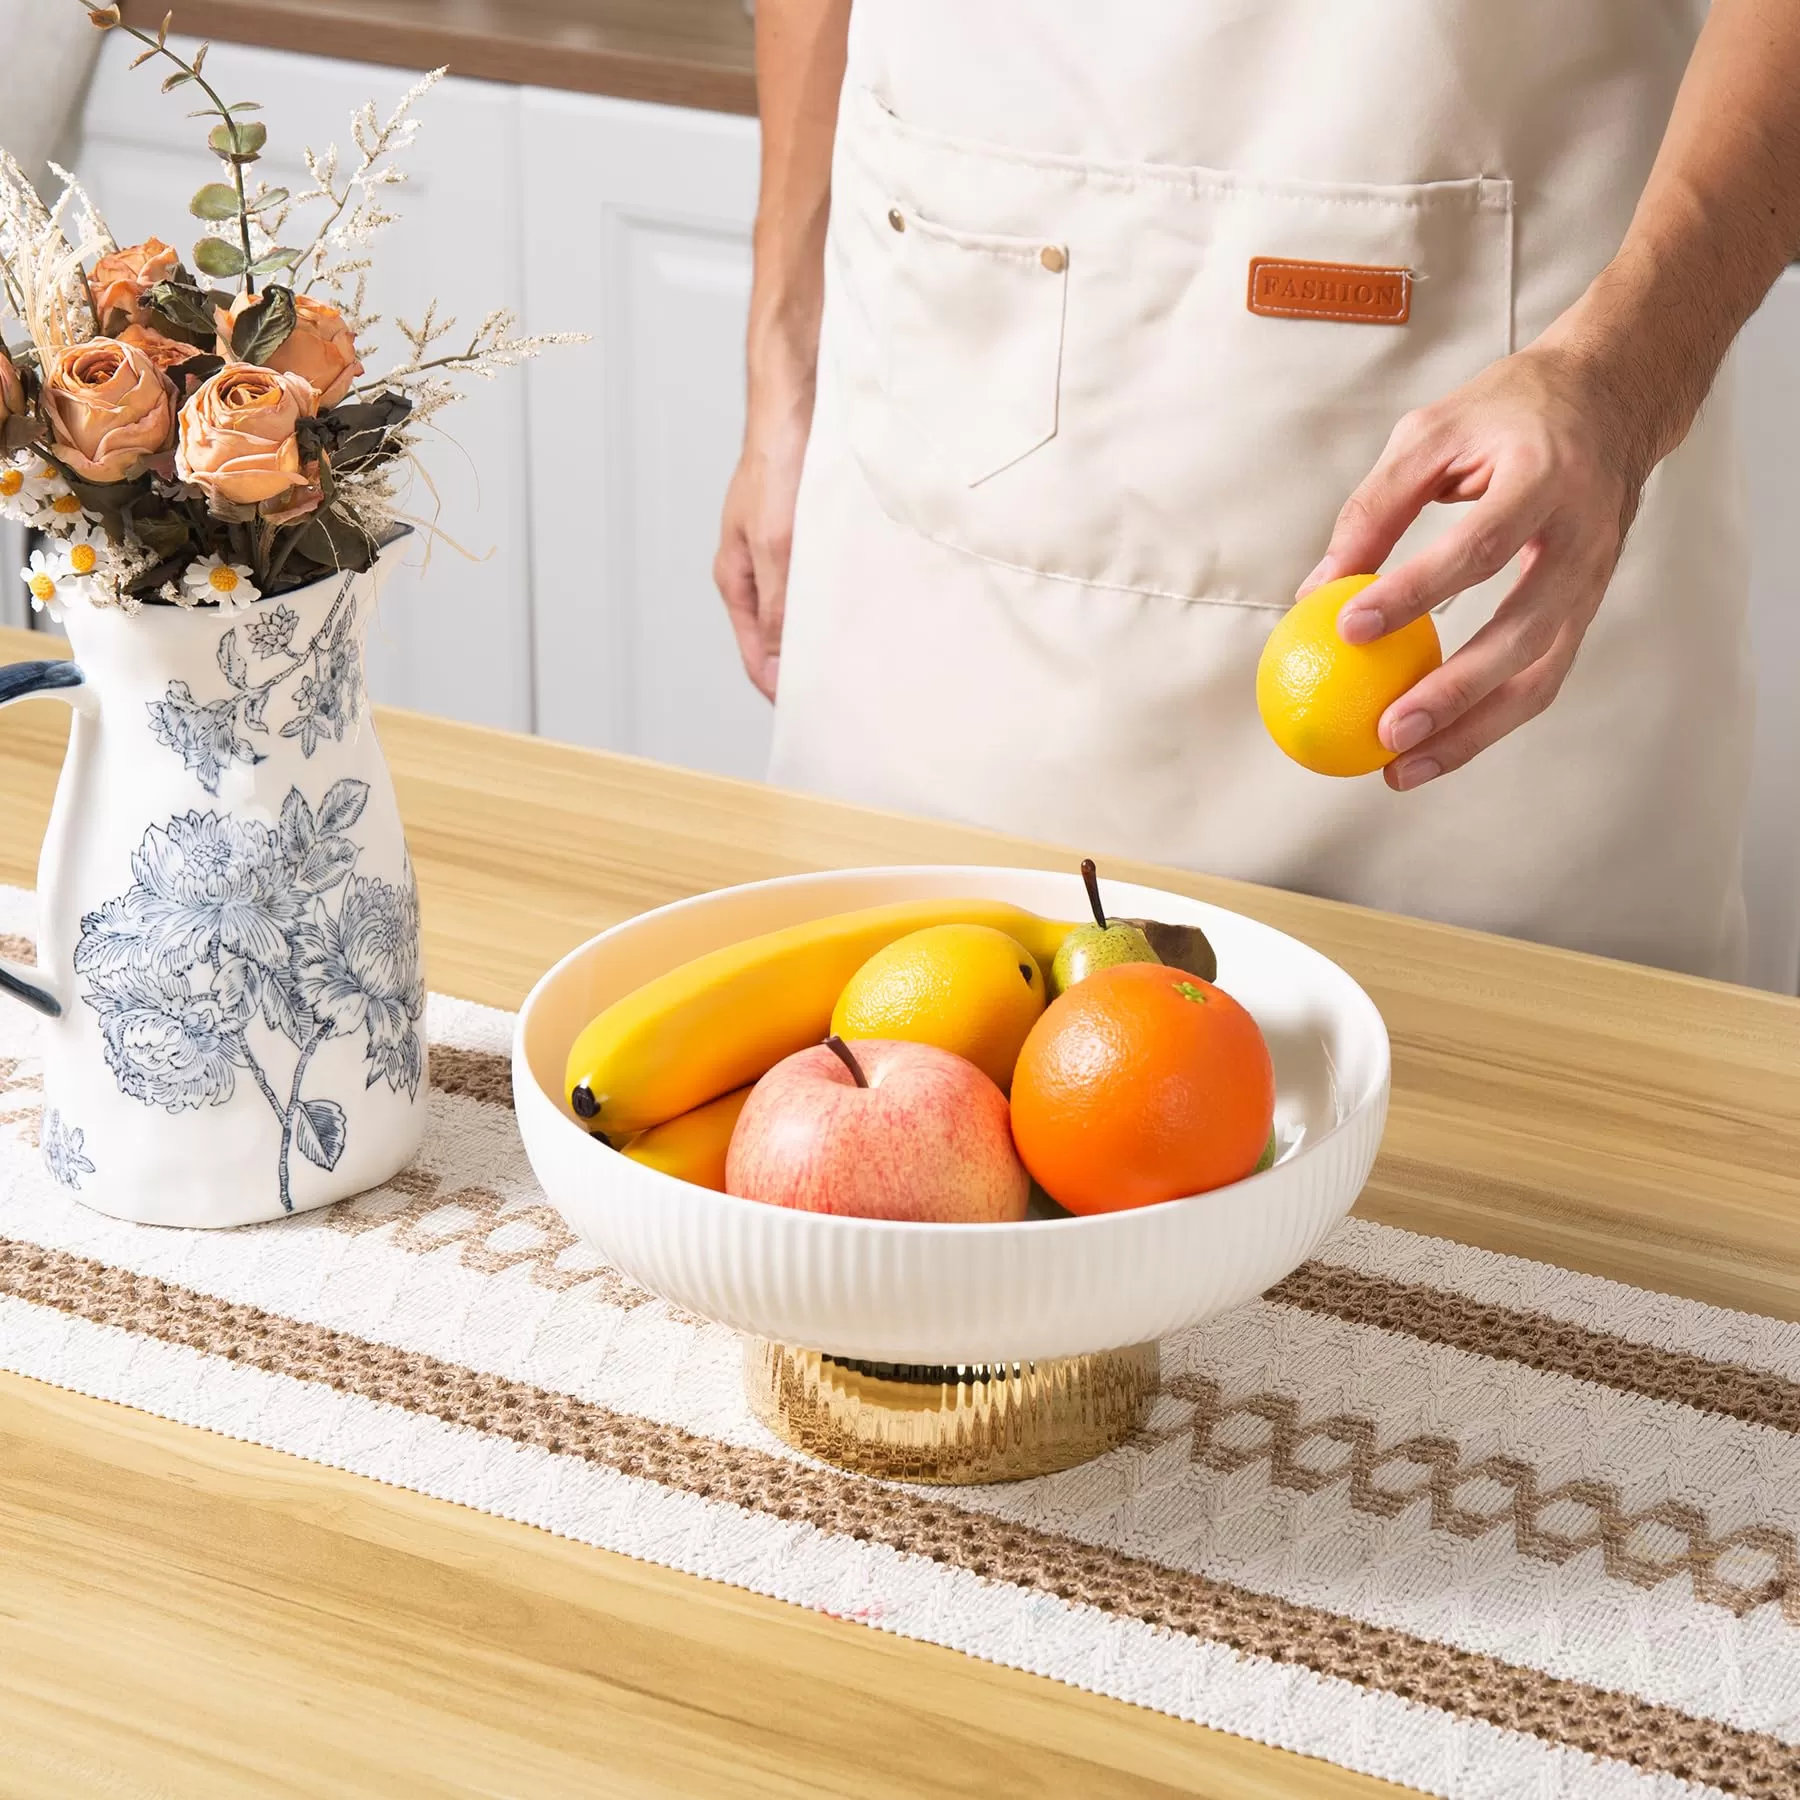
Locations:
{"points": [[1717, 221], [799, 69]]}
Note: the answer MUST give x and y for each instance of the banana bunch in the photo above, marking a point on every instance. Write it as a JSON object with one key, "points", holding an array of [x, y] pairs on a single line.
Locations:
{"points": [[716, 1025]]}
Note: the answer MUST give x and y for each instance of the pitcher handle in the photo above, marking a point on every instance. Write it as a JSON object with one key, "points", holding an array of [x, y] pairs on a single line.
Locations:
{"points": [[19, 681]]}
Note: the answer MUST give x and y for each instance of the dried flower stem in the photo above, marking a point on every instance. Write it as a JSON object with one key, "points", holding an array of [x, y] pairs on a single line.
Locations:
{"points": [[192, 71]]}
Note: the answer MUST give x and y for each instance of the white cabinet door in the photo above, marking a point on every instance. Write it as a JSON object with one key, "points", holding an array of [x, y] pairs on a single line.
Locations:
{"points": [[638, 229], [452, 637], [1769, 402]]}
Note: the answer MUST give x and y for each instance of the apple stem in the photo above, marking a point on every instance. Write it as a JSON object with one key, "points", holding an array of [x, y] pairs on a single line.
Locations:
{"points": [[841, 1051], [1091, 877]]}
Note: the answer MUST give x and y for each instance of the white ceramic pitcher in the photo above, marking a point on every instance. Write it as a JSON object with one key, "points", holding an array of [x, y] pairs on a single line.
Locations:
{"points": [[228, 929]]}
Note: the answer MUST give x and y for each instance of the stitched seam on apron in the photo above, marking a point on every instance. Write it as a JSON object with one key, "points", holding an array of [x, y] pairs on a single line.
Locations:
{"points": [[1110, 587], [1467, 192]]}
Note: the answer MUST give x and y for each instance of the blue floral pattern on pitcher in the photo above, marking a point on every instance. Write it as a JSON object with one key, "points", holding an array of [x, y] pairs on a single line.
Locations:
{"points": [[63, 1147], [322, 679], [225, 959]]}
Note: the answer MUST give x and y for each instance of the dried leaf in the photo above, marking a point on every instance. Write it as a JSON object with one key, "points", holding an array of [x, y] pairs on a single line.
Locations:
{"points": [[176, 80], [138, 61], [199, 58], [184, 310], [262, 329], [103, 18], [162, 31]]}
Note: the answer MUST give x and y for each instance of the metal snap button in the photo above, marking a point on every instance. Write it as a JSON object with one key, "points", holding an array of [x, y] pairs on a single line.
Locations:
{"points": [[896, 218], [1053, 259]]}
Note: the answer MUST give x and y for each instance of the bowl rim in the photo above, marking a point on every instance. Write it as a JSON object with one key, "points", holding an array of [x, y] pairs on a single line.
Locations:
{"points": [[528, 1089]]}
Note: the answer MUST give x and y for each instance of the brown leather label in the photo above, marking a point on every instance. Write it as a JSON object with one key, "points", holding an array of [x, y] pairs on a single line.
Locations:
{"points": [[1283, 289]]}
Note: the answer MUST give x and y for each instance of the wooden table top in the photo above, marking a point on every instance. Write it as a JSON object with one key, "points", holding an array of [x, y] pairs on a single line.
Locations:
{"points": [[682, 52], [180, 1614]]}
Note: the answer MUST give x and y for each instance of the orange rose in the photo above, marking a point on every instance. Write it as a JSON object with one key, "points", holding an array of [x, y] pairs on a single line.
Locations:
{"points": [[121, 278], [165, 352], [237, 435], [112, 411], [319, 349], [12, 394]]}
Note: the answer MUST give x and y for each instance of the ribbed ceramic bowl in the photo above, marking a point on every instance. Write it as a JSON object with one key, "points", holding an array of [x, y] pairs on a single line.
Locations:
{"points": [[964, 1293]]}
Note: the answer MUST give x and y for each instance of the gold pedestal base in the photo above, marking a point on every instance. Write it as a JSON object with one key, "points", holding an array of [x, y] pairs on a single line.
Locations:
{"points": [[968, 1423]]}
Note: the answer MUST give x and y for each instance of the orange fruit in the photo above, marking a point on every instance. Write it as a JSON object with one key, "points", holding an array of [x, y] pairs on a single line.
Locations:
{"points": [[1141, 1084], [1321, 698], [969, 989]]}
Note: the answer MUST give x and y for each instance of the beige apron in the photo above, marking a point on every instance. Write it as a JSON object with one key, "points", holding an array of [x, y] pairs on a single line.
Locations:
{"points": [[1062, 480]]}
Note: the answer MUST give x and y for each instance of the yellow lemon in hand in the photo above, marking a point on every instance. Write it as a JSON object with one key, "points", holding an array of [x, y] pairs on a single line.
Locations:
{"points": [[966, 988], [1322, 698]]}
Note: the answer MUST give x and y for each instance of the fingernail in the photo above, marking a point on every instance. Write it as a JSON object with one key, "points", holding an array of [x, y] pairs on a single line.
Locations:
{"points": [[1416, 772], [1407, 730], [1362, 626]]}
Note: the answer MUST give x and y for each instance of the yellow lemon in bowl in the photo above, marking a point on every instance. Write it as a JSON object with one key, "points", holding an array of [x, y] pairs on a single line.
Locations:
{"points": [[970, 989], [1321, 698]]}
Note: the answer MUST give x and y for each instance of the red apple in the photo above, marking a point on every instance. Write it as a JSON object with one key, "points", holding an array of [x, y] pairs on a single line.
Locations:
{"points": [[879, 1131]]}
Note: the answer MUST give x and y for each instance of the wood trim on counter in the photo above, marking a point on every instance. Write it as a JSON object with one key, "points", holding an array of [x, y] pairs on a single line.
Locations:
{"points": [[695, 53]]}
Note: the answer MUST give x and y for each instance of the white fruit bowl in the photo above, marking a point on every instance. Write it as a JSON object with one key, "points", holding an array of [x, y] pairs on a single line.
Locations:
{"points": [[905, 1293]]}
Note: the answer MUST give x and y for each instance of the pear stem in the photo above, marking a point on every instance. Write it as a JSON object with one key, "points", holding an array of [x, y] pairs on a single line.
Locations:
{"points": [[1091, 878], [841, 1051]]}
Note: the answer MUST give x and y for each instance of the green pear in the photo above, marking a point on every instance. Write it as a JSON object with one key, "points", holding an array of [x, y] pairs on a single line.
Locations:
{"points": [[1101, 945]]}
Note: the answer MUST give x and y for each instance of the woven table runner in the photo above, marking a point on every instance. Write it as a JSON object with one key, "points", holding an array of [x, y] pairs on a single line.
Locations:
{"points": [[1471, 1523]]}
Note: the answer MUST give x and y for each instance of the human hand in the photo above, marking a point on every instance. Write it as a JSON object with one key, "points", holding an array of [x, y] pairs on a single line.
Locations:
{"points": [[1554, 470], [757, 532]]}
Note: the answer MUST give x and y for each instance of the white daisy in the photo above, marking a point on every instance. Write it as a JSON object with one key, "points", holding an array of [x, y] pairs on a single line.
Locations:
{"points": [[16, 505], [49, 587], [226, 584], [82, 557], [61, 512]]}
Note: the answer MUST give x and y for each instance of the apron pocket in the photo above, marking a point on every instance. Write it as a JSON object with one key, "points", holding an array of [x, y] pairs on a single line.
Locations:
{"points": [[1053, 363], [982, 394]]}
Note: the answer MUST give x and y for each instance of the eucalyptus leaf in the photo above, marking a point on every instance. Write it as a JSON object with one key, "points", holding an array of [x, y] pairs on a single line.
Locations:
{"points": [[240, 143], [217, 200], [219, 256], [263, 202], [278, 258], [262, 329]]}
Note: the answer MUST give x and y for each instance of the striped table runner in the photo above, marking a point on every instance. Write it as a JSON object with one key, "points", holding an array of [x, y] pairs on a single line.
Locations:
{"points": [[1474, 1524]]}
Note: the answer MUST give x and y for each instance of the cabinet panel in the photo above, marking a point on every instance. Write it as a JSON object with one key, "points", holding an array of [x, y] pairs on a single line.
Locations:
{"points": [[633, 437], [456, 238]]}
